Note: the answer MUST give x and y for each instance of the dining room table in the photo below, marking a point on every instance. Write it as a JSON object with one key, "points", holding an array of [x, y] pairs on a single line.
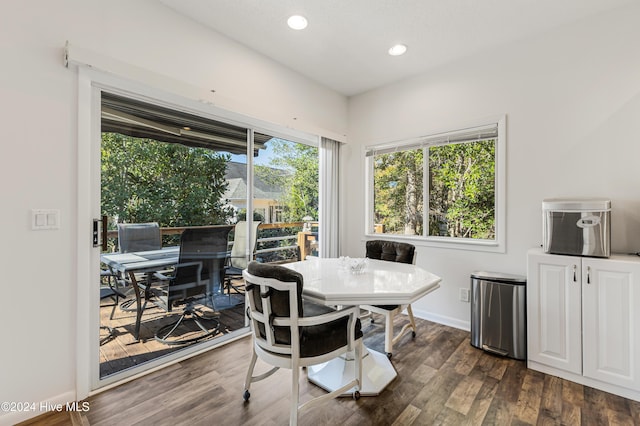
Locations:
{"points": [[333, 282]]}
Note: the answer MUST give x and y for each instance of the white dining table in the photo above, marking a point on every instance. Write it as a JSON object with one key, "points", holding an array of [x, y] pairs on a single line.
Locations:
{"points": [[329, 282]]}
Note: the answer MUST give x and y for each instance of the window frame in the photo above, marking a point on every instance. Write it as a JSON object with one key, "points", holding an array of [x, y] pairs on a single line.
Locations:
{"points": [[497, 245]]}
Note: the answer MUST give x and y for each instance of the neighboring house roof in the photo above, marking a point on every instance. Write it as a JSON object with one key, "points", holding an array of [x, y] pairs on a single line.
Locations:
{"points": [[236, 177]]}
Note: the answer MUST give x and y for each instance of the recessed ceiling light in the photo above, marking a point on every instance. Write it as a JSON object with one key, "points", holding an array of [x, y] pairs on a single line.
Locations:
{"points": [[397, 50], [297, 22]]}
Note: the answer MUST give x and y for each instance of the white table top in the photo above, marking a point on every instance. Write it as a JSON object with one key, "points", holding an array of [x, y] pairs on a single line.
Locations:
{"points": [[381, 283]]}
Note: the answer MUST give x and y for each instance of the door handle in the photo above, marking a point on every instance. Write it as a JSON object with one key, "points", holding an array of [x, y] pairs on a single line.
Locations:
{"points": [[574, 274], [588, 274], [95, 233], [99, 233]]}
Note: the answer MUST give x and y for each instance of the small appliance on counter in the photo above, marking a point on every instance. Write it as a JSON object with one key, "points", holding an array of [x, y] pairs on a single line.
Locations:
{"points": [[577, 227]]}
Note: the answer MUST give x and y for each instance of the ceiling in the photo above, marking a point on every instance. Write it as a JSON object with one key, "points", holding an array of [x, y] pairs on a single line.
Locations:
{"points": [[345, 45]]}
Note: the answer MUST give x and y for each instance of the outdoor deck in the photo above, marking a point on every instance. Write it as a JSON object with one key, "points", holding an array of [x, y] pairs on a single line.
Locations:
{"points": [[122, 351]]}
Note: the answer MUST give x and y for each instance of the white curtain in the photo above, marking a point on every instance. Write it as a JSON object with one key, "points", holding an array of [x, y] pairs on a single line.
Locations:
{"points": [[329, 195]]}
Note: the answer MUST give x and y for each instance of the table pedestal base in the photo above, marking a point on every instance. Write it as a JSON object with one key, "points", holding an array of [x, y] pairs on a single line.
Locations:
{"points": [[377, 373]]}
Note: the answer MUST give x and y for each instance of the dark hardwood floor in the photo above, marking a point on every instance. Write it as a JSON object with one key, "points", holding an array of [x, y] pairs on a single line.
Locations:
{"points": [[442, 380]]}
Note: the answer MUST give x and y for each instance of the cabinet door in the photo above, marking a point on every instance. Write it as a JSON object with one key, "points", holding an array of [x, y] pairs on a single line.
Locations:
{"points": [[611, 321], [553, 311]]}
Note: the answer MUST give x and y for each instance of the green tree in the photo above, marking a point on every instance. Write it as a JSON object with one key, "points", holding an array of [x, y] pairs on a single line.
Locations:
{"points": [[294, 168], [398, 191], [145, 180], [462, 190]]}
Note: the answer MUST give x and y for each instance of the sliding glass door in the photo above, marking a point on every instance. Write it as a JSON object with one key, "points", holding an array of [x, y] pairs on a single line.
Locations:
{"points": [[170, 169]]}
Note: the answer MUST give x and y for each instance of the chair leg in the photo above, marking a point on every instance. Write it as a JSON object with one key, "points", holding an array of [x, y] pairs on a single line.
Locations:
{"points": [[115, 304], [411, 320], [251, 378], [411, 326], [295, 395], [248, 379]]}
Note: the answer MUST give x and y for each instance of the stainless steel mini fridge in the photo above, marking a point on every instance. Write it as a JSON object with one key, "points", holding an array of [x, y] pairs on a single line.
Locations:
{"points": [[498, 317]]}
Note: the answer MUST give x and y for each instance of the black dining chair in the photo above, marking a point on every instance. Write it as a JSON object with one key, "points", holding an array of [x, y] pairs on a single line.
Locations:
{"points": [[391, 251], [291, 333]]}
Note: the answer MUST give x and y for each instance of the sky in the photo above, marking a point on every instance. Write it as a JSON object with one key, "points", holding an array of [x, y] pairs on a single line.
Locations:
{"points": [[263, 159]]}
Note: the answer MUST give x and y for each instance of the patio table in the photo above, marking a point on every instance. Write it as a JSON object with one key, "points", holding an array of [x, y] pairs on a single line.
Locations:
{"points": [[130, 264]]}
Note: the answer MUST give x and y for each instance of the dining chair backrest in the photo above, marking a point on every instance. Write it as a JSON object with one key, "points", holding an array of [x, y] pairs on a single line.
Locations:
{"points": [[392, 251], [202, 252], [239, 249], [134, 237], [281, 299], [282, 322]]}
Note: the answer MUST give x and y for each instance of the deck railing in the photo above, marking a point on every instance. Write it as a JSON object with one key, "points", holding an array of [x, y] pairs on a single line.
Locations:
{"points": [[289, 244]]}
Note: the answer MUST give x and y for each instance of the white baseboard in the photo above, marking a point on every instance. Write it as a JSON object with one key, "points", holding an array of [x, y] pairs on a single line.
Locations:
{"points": [[440, 319], [25, 410]]}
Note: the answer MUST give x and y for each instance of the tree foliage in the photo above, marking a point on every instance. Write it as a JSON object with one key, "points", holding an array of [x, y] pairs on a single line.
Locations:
{"points": [[149, 181], [398, 191], [295, 170], [462, 190]]}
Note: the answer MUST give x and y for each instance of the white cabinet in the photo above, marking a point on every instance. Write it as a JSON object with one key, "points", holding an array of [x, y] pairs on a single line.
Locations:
{"points": [[583, 320], [554, 333]]}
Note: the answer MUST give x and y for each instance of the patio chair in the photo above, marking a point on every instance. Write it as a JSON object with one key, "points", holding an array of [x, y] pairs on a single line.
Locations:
{"points": [[393, 252], [109, 289], [290, 333], [201, 258], [237, 260], [133, 237]]}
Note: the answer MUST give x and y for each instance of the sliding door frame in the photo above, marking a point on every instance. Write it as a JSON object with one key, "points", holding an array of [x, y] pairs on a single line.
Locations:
{"points": [[91, 83]]}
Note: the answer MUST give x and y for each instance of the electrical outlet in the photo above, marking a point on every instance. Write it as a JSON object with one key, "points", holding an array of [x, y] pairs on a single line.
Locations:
{"points": [[464, 294]]}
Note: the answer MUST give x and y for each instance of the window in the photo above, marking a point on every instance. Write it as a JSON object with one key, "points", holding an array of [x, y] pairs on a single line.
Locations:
{"points": [[443, 189], [276, 213]]}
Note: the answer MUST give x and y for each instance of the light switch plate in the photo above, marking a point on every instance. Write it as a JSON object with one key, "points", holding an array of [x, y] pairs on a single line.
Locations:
{"points": [[42, 219]]}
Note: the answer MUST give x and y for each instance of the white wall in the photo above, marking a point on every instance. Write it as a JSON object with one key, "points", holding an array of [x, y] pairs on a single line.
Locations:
{"points": [[572, 99], [38, 110]]}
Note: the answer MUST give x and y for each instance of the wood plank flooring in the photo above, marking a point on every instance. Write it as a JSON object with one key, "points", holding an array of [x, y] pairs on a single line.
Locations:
{"points": [[442, 380]]}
